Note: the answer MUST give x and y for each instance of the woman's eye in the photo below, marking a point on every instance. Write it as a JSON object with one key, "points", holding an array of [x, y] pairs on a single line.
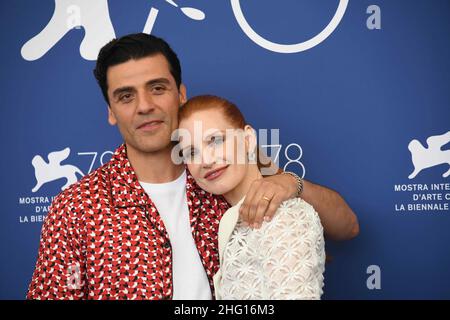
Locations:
{"points": [[217, 140], [189, 154]]}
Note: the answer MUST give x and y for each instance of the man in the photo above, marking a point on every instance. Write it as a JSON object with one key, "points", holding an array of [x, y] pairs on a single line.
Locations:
{"points": [[139, 227]]}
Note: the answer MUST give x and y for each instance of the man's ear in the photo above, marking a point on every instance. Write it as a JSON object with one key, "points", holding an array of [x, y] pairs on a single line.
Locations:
{"points": [[111, 117], [183, 95]]}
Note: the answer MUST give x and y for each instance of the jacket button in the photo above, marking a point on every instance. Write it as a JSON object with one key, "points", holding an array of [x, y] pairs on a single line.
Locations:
{"points": [[166, 245]]}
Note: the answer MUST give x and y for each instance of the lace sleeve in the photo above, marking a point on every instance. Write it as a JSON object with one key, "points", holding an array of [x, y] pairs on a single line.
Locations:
{"points": [[293, 252]]}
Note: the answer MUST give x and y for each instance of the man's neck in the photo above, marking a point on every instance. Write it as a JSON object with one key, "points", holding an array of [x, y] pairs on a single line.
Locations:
{"points": [[235, 195], [154, 167]]}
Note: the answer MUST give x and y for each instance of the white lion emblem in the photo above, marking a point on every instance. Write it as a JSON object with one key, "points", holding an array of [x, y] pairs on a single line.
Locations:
{"points": [[423, 158], [53, 170]]}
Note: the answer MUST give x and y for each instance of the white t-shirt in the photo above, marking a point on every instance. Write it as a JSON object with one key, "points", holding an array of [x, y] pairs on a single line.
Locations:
{"points": [[190, 281]]}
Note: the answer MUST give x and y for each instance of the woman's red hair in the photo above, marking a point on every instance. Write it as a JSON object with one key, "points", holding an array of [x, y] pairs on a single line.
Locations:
{"points": [[210, 102]]}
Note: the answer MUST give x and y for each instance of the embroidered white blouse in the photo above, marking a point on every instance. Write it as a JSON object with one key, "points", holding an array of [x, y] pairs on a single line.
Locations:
{"points": [[284, 259]]}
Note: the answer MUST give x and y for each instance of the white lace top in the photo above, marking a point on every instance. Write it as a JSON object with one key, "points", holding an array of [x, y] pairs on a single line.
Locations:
{"points": [[284, 259]]}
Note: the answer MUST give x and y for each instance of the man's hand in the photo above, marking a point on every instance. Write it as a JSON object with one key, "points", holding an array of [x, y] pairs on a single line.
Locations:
{"points": [[256, 207]]}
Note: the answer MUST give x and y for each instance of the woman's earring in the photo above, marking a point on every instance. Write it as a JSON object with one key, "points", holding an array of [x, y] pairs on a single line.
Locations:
{"points": [[252, 156]]}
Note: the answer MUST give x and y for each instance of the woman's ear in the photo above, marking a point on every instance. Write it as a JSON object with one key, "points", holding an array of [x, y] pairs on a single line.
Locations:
{"points": [[250, 139]]}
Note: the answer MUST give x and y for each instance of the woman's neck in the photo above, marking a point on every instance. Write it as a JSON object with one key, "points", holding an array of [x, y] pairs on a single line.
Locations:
{"points": [[235, 195]]}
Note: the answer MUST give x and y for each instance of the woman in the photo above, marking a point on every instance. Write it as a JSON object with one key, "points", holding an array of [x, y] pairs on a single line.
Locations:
{"points": [[284, 258]]}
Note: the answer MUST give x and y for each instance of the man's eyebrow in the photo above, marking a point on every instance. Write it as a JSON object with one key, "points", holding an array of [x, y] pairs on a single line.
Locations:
{"points": [[148, 83], [157, 81]]}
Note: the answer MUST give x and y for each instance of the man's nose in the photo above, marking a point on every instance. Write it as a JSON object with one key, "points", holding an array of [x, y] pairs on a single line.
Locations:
{"points": [[145, 103]]}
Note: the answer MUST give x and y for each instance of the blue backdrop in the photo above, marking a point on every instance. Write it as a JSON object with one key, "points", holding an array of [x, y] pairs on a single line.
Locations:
{"points": [[352, 103]]}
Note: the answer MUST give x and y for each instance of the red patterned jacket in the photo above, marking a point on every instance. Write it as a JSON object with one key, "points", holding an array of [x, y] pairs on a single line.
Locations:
{"points": [[104, 239]]}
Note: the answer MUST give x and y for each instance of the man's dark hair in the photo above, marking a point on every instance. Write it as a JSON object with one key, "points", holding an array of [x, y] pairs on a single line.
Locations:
{"points": [[134, 46]]}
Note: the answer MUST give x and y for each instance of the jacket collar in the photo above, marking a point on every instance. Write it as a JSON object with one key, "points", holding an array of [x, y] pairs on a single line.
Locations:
{"points": [[126, 191]]}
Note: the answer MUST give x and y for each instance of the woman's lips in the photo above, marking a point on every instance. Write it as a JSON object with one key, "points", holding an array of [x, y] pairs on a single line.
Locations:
{"points": [[214, 174]]}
